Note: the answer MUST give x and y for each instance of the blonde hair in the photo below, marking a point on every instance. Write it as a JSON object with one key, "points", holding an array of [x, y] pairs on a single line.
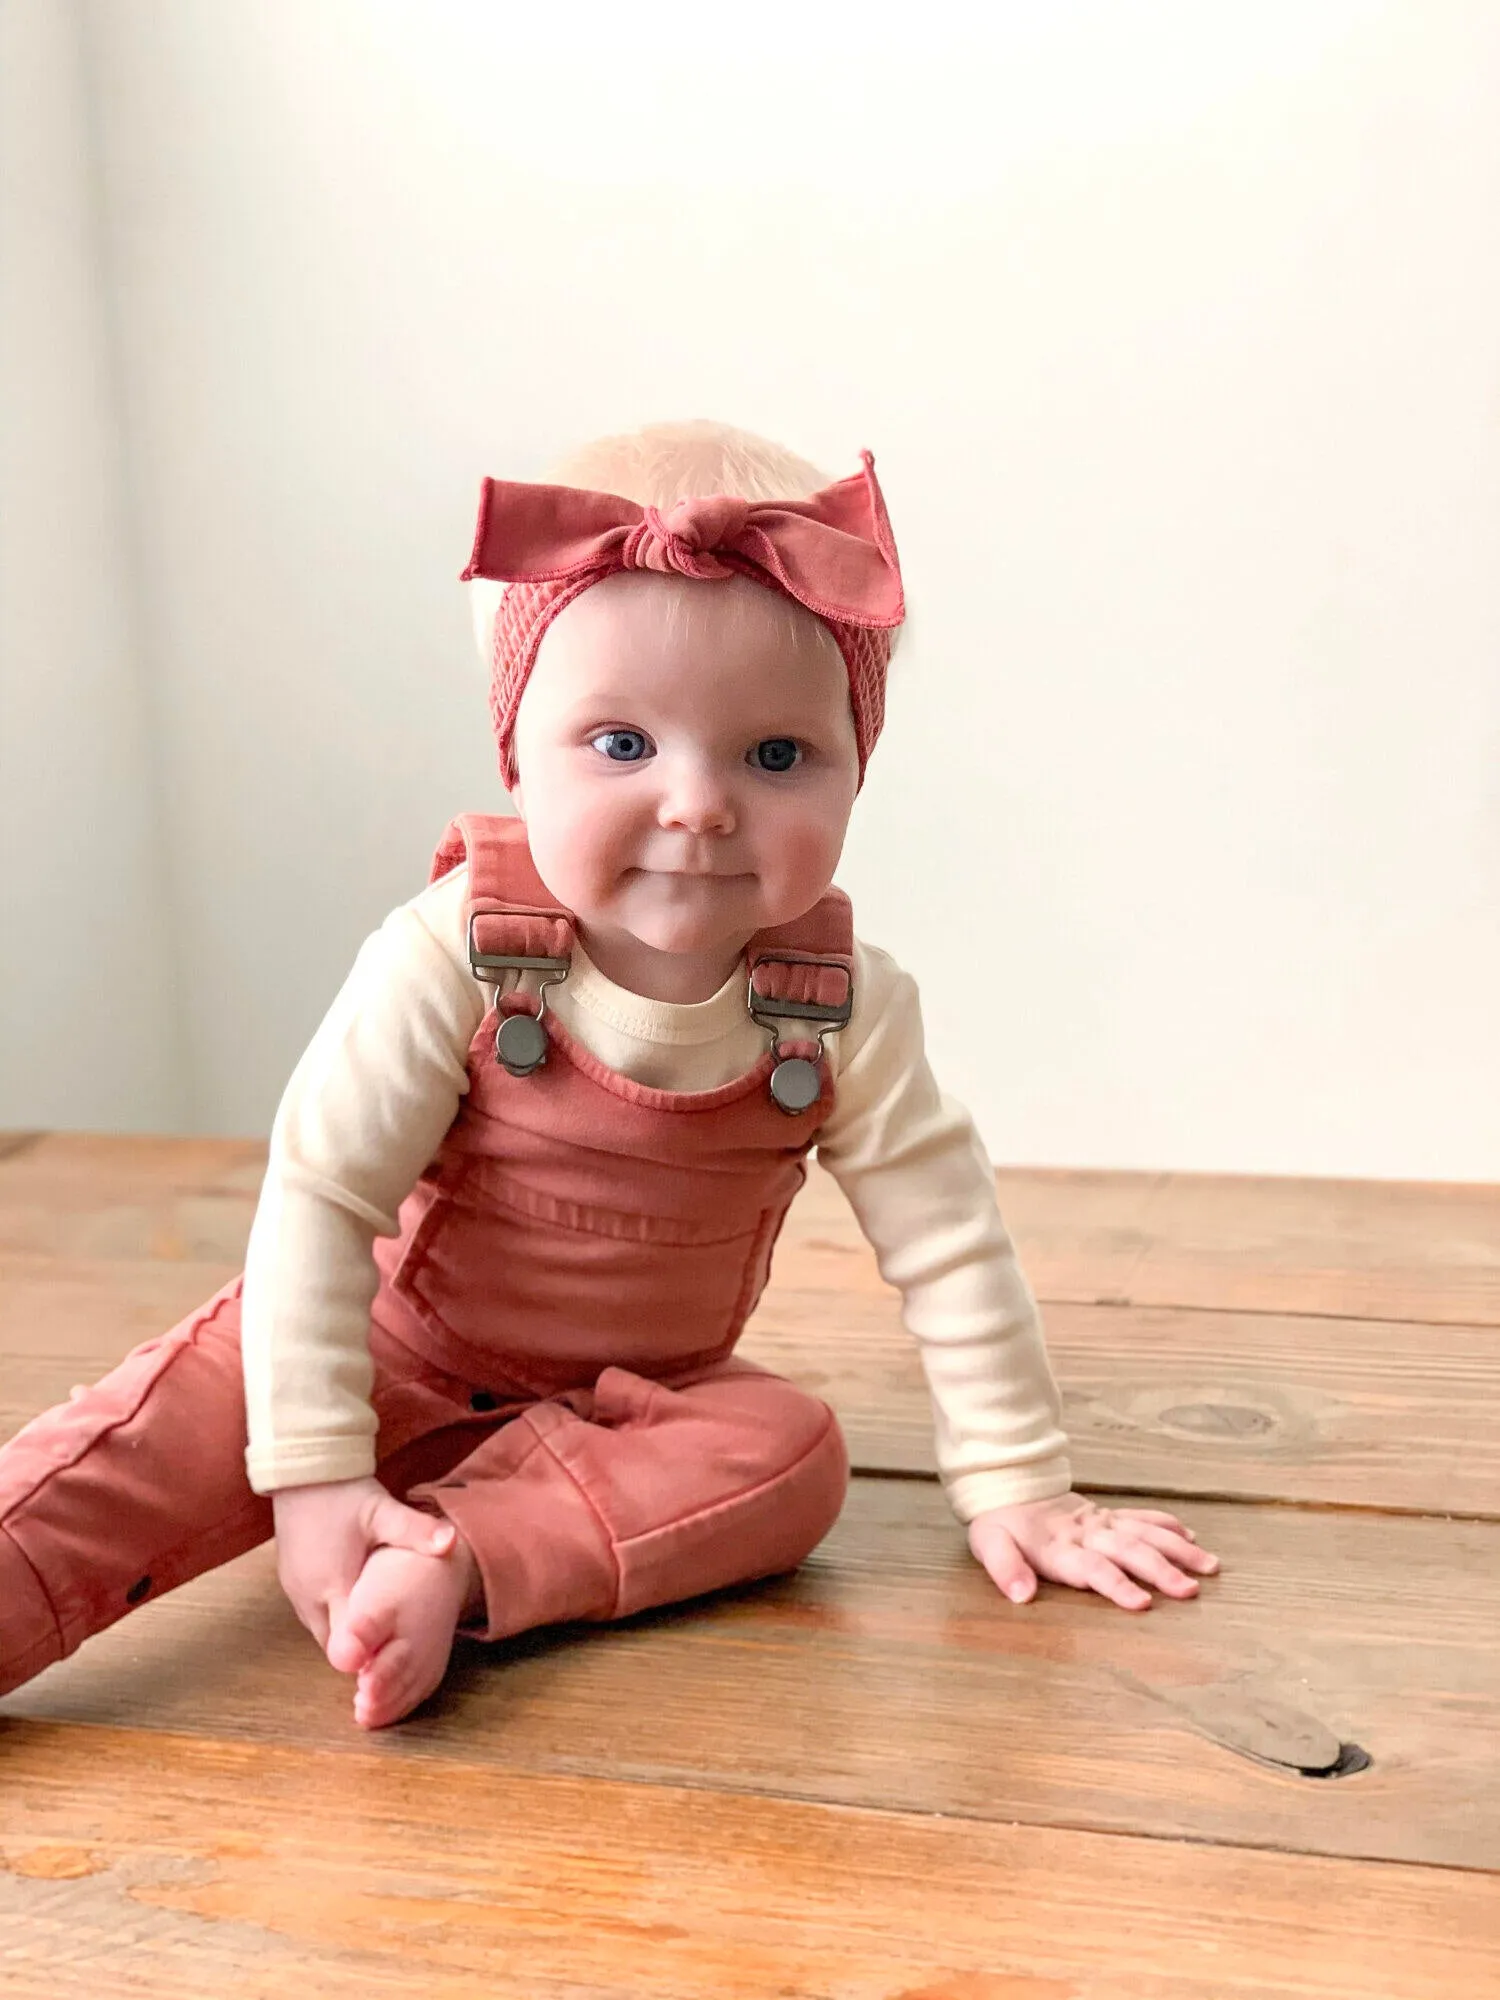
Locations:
{"points": [[662, 463], [668, 462]]}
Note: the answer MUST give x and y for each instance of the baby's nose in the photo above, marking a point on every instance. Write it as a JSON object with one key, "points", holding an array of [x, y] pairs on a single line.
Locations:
{"points": [[697, 799]]}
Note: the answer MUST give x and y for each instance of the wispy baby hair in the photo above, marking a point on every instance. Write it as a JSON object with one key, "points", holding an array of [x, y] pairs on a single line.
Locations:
{"points": [[667, 462]]}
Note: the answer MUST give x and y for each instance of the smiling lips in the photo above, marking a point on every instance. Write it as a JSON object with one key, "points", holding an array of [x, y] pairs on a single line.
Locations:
{"points": [[694, 874]]}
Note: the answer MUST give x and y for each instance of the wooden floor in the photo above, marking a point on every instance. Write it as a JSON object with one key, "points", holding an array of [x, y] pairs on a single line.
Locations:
{"points": [[874, 1780]]}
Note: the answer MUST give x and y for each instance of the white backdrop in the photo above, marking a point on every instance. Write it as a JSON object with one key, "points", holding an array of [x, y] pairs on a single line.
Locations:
{"points": [[1174, 328]]}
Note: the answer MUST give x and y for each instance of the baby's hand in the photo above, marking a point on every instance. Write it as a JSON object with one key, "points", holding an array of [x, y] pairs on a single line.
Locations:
{"points": [[324, 1533], [1071, 1540]]}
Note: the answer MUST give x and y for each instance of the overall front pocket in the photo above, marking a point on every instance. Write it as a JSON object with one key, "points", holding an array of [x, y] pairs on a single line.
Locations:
{"points": [[574, 1288]]}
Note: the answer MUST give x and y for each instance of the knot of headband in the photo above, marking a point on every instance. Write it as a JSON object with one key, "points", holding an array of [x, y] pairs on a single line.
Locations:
{"points": [[833, 553]]}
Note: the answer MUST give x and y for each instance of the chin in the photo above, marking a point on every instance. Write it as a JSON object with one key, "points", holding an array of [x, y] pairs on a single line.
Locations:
{"points": [[689, 940]]}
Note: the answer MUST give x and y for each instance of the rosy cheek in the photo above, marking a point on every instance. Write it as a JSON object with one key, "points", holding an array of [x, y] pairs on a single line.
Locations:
{"points": [[805, 849], [595, 829]]}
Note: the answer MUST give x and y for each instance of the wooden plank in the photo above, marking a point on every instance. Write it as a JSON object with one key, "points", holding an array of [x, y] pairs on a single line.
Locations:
{"points": [[1383, 1250], [1357, 1413], [1178, 1404], [245, 1870], [130, 1196], [890, 1673], [87, 1312], [119, 1163], [1350, 1249], [68, 1320]]}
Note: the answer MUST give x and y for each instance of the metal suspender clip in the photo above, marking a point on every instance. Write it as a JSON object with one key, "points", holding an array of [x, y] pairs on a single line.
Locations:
{"points": [[795, 1083], [520, 1040]]}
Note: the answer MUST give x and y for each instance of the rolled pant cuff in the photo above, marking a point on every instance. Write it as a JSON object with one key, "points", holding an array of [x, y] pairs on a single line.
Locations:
{"points": [[543, 1555]]}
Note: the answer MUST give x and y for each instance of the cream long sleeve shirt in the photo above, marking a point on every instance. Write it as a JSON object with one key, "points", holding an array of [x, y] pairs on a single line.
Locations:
{"points": [[382, 1080]]}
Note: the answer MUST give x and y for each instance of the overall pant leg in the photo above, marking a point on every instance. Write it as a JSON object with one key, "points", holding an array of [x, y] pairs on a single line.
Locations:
{"points": [[124, 1492], [138, 1484], [599, 1503]]}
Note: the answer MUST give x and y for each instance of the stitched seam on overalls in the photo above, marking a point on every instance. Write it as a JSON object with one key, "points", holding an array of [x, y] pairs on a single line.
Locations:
{"points": [[96, 1438], [767, 1231], [736, 1499], [588, 1501], [165, 1558], [558, 1214], [41, 1586], [417, 1252], [648, 1097]]}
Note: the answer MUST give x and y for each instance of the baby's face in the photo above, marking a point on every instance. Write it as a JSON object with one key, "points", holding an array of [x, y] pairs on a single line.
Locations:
{"points": [[684, 783]]}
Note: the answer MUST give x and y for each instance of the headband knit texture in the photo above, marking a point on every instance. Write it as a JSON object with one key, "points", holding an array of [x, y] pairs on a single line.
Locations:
{"points": [[832, 553]]}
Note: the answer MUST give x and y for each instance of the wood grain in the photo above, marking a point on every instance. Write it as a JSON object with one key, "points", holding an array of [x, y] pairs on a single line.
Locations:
{"points": [[1170, 1402], [1384, 1250], [247, 1870], [1353, 1413], [1224, 1242], [874, 1780], [889, 1672]]}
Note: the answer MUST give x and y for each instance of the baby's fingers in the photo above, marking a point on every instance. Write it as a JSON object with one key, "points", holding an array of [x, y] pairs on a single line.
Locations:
{"points": [[1090, 1569], [1153, 1519], [396, 1526], [1009, 1570], [1186, 1555], [1139, 1559]]}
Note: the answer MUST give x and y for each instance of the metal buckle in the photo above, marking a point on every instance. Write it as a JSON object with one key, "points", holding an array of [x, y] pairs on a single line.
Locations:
{"points": [[794, 1084], [490, 967], [765, 1008]]}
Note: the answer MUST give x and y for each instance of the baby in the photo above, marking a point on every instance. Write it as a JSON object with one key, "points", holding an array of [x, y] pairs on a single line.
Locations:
{"points": [[525, 1183]]}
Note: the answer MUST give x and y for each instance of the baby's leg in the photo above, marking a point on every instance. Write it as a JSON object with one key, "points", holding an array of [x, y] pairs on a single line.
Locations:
{"points": [[125, 1492], [604, 1503], [138, 1484]]}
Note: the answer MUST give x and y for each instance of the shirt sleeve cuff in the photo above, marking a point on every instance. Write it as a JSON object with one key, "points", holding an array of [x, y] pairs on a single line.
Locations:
{"points": [[973, 1493], [309, 1462]]}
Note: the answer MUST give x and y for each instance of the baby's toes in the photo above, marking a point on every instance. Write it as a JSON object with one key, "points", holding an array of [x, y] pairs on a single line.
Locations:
{"points": [[395, 1683], [358, 1636]]}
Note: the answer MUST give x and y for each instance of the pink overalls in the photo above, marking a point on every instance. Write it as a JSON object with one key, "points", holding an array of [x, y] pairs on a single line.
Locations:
{"points": [[552, 1337]]}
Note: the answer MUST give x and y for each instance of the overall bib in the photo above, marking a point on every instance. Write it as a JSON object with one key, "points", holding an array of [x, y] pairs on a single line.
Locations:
{"points": [[552, 1337]]}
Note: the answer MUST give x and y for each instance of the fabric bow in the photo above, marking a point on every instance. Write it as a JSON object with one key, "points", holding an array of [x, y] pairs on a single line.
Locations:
{"points": [[833, 552]]}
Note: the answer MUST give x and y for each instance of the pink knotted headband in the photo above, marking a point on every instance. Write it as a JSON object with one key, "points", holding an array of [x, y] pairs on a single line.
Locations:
{"points": [[833, 553]]}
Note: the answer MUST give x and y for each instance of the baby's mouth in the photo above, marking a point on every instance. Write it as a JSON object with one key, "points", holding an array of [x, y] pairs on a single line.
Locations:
{"points": [[694, 874]]}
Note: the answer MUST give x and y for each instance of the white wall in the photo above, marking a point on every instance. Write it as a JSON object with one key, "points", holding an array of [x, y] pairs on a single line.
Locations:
{"points": [[1174, 329], [88, 1022]]}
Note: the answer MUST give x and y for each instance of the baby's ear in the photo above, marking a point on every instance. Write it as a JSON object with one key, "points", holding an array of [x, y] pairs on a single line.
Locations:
{"points": [[484, 602]]}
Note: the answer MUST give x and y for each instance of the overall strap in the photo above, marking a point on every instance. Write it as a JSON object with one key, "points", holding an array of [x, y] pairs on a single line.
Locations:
{"points": [[514, 925], [511, 913], [803, 971], [810, 960]]}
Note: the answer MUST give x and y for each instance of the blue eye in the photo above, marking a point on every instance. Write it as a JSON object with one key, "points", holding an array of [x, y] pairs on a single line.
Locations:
{"points": [[776, 753], [621, 746]]}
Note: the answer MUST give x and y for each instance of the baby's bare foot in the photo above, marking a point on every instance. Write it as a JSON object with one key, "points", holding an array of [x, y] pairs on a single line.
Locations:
{"points": [[397, 1630]]}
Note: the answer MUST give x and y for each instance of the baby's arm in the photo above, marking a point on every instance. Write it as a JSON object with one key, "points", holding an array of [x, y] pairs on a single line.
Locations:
{"points": [[923, 1190], [364, 1112]]}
